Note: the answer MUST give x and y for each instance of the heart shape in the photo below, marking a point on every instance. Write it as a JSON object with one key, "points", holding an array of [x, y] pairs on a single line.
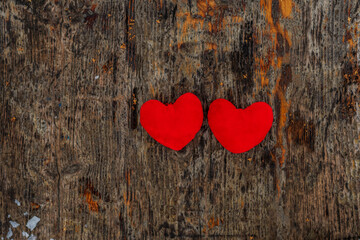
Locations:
{"points": [[239, 130], [173, 125]]}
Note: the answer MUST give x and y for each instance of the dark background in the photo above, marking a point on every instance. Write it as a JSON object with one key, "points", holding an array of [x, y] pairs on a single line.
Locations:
{"points": [[74, 75]]}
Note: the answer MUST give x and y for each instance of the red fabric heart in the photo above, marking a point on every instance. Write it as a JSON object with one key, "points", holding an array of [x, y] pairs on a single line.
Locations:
{"points": [[239, 130], [173, 125]]}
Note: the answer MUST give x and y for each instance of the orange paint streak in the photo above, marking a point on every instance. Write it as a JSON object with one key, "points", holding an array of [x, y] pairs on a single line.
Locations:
{"points": [[213, 223], [351, 74], [196, 21], [93, 7], [34, 205], [126, 200], [152, 90], [263, 66], [284, 108], [211, 46], [286, 7], [278, 187], [92, 205], [276, 61], [206, 7], [127, 176], [190, 22], [236, 19], [88, 193], [287, 37], [267, 5]]}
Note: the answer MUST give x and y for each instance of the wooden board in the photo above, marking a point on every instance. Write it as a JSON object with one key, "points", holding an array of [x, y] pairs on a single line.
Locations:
{"points": [[74, 75]]}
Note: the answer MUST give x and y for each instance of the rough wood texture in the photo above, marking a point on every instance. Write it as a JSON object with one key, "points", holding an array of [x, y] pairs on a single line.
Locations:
{"points": [[75, 74]]}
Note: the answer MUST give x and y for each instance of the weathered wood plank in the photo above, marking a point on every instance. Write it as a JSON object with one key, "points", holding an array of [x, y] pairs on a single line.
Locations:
{"points": [[73, 153]]}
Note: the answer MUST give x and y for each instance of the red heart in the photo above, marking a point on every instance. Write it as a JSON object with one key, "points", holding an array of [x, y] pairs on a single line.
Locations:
{"points": [[173, 125], [239, 130]]}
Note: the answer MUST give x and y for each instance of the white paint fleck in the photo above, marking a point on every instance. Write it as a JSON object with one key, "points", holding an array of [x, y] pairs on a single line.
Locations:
{"points": [[26, 213], [14, 224], [17, 202], [9, 234], [96, 77], [31, 224], [32, 237], [25, 234], [52, 239], [9, 216]]}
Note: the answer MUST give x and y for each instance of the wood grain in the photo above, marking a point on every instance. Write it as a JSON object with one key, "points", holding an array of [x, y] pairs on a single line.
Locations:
{"points": [[73, 153]]}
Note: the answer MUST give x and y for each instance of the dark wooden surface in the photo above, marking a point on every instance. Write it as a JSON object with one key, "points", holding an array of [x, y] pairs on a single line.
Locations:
{"points": [[74, 75]]}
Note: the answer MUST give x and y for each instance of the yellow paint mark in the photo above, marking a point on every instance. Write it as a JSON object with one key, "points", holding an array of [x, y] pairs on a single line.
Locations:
{"points": [[123, 46], [13, 119]]}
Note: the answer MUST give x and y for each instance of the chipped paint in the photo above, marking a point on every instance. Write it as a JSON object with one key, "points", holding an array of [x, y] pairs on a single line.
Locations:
{"points": [[9, 234], [32, 237], [14, 224], [31, 224]]}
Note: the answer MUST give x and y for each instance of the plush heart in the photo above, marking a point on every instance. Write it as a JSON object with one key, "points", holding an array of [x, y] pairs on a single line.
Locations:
{"points": [[173, 125], [239, 130]]}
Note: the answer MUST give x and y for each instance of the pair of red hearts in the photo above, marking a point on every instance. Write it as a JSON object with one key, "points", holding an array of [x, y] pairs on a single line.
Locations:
{"points": [[175, 125]]}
